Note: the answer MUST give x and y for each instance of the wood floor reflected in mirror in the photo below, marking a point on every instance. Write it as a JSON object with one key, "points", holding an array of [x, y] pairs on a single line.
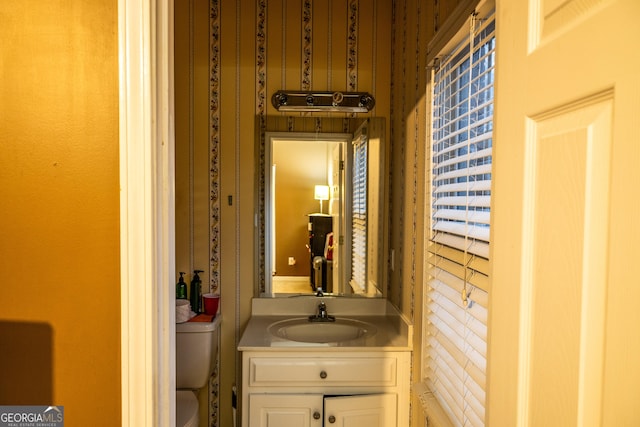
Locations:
{"points": [[291, 284]]}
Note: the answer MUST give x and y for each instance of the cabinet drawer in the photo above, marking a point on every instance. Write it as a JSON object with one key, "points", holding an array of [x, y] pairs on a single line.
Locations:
{"points": [[316, 371]]}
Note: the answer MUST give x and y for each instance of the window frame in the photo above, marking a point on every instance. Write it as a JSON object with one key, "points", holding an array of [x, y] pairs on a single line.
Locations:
{"points": [[471, 263]]}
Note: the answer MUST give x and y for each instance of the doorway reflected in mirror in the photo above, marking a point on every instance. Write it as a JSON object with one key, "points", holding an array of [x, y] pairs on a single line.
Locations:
{"points": [[305, 171]]}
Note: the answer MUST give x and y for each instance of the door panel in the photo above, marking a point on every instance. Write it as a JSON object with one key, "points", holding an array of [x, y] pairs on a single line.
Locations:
{"points": [[285, 410], [376, 410], [567, 192]]}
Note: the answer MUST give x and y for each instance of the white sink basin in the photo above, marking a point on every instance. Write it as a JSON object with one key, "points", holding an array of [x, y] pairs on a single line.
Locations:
{"points": [[302, 330]]}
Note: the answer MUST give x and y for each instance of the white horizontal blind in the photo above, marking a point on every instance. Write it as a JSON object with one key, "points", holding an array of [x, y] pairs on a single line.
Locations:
{"points": [[457, 254], [359, 215]]}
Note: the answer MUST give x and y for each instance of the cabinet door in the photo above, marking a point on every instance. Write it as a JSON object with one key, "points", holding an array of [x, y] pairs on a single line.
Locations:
{"points": [[373, 410], [285, 410]]}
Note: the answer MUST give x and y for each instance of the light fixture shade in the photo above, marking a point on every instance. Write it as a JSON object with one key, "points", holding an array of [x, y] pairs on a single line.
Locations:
{"points": [[321, 192]]}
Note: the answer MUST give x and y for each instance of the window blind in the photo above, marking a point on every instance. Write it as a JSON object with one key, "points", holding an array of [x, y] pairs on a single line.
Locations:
{"points": [[359, 215], [457, 259]]}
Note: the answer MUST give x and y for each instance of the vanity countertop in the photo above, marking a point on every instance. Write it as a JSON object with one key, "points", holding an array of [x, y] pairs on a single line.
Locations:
{"points": [[393, 331]]}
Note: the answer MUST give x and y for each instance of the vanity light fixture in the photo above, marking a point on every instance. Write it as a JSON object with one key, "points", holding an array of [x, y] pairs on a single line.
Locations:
{"points": [[321, 193], [340, 102]]}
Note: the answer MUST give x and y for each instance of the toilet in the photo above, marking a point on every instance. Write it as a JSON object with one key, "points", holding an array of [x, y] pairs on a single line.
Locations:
{"points": [[196, 349]]}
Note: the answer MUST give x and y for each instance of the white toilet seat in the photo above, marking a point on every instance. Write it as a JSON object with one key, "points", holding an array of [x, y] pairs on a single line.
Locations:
{"points": [[186, 409]]}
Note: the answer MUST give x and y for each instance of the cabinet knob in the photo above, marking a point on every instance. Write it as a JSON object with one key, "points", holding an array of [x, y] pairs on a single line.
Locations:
{"points": [[316, 415], [323, 374], [332, 419]]}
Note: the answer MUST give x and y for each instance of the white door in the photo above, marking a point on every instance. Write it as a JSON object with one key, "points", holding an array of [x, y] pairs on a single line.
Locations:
{"points": [[565, 323], [376, 410], [285, 410], [338, 208]]}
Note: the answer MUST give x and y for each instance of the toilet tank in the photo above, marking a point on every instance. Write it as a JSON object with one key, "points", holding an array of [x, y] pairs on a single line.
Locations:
{"points": [[196, 349]]}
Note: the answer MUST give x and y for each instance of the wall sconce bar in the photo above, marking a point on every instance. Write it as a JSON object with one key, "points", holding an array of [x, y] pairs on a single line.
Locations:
{"points": [[341, 102]]}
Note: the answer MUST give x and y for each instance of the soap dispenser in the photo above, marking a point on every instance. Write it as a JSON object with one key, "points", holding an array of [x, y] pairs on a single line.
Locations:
{"points": [[196, 292], [181, 288]]}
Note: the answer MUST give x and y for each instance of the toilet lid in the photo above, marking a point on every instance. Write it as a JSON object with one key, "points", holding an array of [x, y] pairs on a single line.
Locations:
{"points": [[186, 409]]}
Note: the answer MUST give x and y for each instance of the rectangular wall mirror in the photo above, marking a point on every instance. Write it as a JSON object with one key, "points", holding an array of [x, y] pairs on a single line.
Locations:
{"points": [[323, 223]]}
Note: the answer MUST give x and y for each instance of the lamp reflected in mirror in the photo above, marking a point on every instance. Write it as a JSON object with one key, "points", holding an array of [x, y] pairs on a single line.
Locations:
{"points": [[321, 193]]}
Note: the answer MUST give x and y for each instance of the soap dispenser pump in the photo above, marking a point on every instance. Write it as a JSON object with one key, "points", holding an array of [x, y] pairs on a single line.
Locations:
{"points": [[196, 292], [181, 288]]}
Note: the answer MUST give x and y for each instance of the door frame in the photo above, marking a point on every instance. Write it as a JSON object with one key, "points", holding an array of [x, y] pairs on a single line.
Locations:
{"points": [[147, 230]]}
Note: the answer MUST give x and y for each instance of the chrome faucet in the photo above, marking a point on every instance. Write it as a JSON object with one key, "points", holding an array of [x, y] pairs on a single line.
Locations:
{"points": [[322, 310], [322, 315]]}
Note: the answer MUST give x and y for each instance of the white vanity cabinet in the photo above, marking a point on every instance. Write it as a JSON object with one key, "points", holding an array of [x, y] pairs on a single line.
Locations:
{"points": [[325, 388]]}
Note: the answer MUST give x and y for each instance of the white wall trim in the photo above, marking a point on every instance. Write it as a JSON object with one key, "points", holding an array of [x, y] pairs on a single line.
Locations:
{"points": [[147, 230]]}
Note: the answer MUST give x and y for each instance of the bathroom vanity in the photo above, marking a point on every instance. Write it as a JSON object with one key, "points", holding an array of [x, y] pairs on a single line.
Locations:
{"points": [[355, 369]]}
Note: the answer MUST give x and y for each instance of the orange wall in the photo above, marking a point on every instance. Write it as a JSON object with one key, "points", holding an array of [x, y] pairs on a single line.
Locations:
{"points": [[59, 222]]}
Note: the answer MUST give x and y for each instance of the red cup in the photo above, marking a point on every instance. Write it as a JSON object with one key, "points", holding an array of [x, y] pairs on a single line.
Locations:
{"points": [[211, 303]]}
